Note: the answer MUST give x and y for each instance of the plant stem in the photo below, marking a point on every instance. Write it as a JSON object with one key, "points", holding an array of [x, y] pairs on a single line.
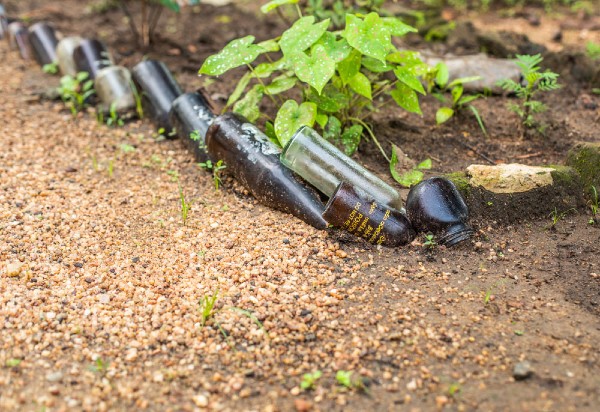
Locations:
{"points": [[366, 126], [132, 26], [261, 82]]}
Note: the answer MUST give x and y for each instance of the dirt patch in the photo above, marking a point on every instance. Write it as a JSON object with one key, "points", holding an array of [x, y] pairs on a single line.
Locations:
{"points": [[101, 305]]}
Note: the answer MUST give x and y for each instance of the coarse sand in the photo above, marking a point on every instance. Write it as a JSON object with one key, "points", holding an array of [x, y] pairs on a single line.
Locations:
{"points": [[101, 283]]}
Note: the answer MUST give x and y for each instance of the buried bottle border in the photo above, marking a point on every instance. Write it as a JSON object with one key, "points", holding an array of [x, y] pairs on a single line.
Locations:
{"points": [[324, 166], [91, 56], [355, 211], [158, 90], [43, 41], [254, 161], [433, 205], [191, 116]]}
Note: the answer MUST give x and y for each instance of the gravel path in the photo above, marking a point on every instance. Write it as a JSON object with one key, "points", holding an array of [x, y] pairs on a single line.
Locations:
{"points": [[100, 285]]}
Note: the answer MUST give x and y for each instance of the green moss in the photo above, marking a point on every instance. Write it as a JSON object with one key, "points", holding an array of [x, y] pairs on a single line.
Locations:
{"points": [[585, 158], [565, 176], [461, 180]]}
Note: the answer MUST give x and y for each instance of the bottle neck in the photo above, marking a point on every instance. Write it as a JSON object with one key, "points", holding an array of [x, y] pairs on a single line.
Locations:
{"points": [[456, 234]]}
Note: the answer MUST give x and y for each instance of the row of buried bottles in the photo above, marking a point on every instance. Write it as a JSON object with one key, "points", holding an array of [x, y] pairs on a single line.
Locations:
{"points": [[295, 180]]}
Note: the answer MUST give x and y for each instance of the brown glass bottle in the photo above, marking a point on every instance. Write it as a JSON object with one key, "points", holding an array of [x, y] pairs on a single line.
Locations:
{"points": [[91, 56], [191, 116], [158, 89], [43, 43], [254, 161], [353, 210], [436, 206]]}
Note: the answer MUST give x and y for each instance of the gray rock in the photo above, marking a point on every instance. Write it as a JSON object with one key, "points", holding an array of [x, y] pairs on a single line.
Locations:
{"points": [[522, 371], [54, 376]]}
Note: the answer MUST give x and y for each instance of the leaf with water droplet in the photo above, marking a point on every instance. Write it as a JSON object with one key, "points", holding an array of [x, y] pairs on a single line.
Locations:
{"points": [[316, 69], [369, 36], [303, 34], [237, 53], [291, 117]]}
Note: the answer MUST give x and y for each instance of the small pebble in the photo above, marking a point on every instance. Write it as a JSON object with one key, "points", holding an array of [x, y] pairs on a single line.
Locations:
{"points": [[522, 370]]}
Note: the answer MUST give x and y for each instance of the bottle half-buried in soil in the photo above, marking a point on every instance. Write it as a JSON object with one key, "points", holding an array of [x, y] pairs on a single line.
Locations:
{"points": [[3, 22], [64, 52], [324, 166], [436, 206], [43, 43], [113, 86], [191, 116], [254, 161], [158, 89], [91, 56], [351, 209], [18, 38]]}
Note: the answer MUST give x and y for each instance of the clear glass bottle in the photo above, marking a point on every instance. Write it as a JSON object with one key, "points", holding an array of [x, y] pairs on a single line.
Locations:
{"points": [[113, 87], [324, 166], [64, 52]]}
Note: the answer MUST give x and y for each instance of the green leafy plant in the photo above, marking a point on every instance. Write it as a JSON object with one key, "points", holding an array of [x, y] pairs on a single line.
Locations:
{"points": [[309, 380], [207, 304], [349, 380], [12, 362], [536, 81], [75, 91], [410, 177], [50, 68], [113, 118], [459, 100], [594, 206], [343, 75], [111, 168], [216, 169], [592, 50], [556, 217], [430, 242], [150, 12], [336, 10], [100, 366], [185, 206]]}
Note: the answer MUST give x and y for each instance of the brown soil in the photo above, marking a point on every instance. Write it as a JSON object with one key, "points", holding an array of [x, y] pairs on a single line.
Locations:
{"points": [[97, 265]]}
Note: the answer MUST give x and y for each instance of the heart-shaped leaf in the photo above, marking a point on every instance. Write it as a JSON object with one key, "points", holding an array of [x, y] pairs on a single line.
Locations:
{"points": [[412, 177], [291, 117], [237, 53], [249, 105], [396, 27], [351, 138], [348, 67], [443, 115], [239, 89], [361, 85], [408, 77], [406, 98], [316, 69], [333, 130], [280, 84], [338, 50], [369, 36], [303, 34], [331, 100]]}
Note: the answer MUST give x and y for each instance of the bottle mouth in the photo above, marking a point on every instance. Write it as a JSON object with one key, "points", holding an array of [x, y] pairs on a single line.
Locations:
{"points": [[456, 234], [288, 145]]}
